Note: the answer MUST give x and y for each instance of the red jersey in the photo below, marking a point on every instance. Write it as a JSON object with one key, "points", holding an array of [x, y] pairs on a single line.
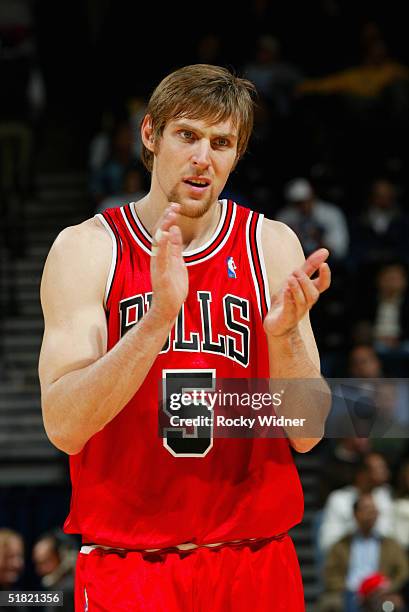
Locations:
{"points": [[135, 489]]}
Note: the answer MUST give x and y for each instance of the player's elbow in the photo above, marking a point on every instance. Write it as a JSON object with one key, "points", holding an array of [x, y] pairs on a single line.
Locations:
{"points": [[66, 446], [303, 445], [58, 435], [64, 443]]}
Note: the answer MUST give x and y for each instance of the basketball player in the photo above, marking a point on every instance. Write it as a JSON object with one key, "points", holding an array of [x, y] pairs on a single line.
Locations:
{"points": [[179, 283]]}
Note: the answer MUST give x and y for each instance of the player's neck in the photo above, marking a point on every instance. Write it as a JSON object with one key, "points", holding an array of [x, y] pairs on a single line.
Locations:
{"points": [[195, 232]]}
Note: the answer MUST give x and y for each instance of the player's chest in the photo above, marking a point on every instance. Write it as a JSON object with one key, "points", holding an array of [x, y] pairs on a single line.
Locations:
{"points": [[209, 322]]}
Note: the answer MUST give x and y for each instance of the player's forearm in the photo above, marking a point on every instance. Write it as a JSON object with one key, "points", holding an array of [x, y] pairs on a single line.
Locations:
{"points": [[82, 402], [306, 394]]}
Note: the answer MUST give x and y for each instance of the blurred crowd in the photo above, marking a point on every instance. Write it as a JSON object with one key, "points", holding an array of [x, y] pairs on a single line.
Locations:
{"points": [[52, 560], [362, 529]]}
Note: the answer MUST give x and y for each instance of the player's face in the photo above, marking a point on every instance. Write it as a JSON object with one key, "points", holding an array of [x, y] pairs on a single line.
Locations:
{"points": [[193, 161]]}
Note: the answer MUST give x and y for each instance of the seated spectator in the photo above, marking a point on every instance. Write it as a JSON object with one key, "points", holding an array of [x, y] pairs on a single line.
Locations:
{"points": [[380, 232], [54, 557], [401, 507], [11, 558], [341, 462], [383, 312], [362, 554], [316, 223], [363, 362], [374, 407], [367, 80], [338, 516]]}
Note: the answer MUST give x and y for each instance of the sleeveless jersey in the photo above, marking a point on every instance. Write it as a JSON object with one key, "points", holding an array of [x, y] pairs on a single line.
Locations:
{"points": [[132, 488]]}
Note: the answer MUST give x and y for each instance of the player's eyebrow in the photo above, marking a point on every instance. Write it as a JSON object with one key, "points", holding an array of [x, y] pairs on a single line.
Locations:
{"points": [[181, 125]]}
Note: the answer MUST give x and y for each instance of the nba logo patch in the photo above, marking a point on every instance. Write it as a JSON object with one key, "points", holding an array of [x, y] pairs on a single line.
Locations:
{"points": [[231, 267]]}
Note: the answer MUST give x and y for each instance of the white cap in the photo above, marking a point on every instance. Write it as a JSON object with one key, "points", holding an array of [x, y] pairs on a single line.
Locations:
{"points": [[298, 190]]}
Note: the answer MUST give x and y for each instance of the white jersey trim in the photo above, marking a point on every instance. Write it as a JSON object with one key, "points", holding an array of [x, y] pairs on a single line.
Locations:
{"points": [[114, 257], [213, 238], [221, 245], [198, 250], [259, 243], [250, 258], [134, 236]]}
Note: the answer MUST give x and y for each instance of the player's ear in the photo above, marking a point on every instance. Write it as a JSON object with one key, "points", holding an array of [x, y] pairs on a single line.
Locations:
{"points": [[147, 133]]}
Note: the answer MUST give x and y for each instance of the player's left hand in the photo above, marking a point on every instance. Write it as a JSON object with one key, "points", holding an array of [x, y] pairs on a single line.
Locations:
{"points": [[298, 294]]}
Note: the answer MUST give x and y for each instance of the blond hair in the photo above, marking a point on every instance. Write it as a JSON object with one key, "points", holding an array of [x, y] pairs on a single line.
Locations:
{"points": [[202, 91]]}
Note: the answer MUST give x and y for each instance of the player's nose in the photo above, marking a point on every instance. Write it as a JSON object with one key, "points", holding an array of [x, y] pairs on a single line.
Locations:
{"points": [[201, 155]]}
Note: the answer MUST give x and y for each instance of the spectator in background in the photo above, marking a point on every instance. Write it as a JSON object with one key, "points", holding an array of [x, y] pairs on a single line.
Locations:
{"points": [[109, 178], [338, 516], [341, 463], [382, 313], [363, 362], [366, 105], [368, 80], [388, 425], [381, 232], [361, 554], [133, 190], [54, 556], [274, 78], [137, 110], [401, 507], [11, 558], [380, 473], [100, 145], [316, 223]]}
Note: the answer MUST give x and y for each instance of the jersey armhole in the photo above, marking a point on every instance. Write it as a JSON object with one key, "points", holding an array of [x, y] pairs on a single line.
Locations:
{"points": [[257, 263], [262, 261], [114, 259]]}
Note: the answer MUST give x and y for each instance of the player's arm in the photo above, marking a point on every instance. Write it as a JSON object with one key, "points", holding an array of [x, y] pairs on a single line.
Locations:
{"points": [[83, 386], [293, 352]]}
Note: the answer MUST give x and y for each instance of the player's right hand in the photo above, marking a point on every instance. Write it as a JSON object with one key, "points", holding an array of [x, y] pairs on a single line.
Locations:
{"points": [[170, 283]]}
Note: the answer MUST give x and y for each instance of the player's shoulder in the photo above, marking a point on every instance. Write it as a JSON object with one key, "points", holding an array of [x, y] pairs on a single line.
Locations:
{"points": [[76, 268], [279, 237], [278, 229], [282, 251], [88, 235], [82, 251]]}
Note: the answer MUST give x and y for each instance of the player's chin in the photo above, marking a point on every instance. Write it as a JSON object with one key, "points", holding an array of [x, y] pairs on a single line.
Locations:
{"points": [[195, 208]]}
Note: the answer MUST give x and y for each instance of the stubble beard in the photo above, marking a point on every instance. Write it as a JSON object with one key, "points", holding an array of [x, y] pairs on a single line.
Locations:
{"points": [[193, 211]]}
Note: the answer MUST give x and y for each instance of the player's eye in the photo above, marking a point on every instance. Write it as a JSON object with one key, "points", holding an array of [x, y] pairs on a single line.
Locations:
{"points": [[222, 142], [187, 134]]}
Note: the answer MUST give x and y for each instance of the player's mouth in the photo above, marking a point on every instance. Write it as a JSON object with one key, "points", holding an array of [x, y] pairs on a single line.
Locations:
{"points": [[198, 184]]}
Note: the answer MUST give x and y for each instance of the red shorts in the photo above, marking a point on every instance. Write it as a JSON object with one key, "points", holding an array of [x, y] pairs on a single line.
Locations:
{"points": [[255, 577]]}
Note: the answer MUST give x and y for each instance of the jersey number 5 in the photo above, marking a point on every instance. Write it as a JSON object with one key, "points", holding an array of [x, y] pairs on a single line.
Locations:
{"points": [[181, 440]]}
